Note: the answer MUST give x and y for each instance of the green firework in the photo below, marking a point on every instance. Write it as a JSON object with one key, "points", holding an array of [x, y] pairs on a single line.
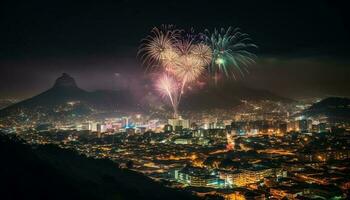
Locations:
{"points": [[231, 51]]}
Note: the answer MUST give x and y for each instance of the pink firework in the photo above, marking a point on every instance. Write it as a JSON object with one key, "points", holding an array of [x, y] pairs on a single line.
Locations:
{"points": [[168, 87]]}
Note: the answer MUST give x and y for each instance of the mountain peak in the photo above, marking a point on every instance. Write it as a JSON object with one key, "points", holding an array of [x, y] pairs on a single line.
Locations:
{"points": [[65, 81]]}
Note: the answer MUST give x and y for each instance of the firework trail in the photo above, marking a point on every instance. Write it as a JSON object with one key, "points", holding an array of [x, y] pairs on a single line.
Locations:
{"points": [[168, 87]]}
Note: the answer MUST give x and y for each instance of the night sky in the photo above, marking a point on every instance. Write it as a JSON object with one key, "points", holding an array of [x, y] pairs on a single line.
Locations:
{"points": [[303, 45]]}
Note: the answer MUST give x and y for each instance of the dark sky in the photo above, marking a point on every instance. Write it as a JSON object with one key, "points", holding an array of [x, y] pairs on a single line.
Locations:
{"points": [[303, 45]]}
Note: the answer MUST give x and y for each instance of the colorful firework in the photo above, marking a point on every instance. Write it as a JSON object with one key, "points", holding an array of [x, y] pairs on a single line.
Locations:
{"points": [[203, 53], [188, 68], [181, 58], [158, 47], [168, 87], [230, 51]]}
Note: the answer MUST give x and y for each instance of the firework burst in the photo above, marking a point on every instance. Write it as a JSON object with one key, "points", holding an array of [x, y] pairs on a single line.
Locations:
{"points": [[188, 68], [157, 48], [181, 58], [203, 53], [230, 51]]}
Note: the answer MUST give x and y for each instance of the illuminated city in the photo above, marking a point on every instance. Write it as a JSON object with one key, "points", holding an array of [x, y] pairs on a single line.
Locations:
{"points": [[190, 110]]}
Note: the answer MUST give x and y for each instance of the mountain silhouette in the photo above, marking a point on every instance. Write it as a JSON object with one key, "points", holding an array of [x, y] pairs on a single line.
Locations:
{"points": [[65, 81], [66, 90], [336, 109]]}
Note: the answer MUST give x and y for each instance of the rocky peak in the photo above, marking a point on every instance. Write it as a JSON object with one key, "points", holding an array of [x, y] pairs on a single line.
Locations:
{"points": [[65, 81]]}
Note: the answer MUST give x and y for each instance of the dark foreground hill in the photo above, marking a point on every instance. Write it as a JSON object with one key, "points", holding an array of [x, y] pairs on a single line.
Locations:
{"points": [[48, 172]]}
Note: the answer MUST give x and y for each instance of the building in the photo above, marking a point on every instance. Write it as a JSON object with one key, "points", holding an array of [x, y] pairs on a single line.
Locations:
{"points": [[101, 128], [245, 177], [302, 125], [178, 123], [323, 156], [168, 128], [197, 177], [183, 141], [86, 126]]}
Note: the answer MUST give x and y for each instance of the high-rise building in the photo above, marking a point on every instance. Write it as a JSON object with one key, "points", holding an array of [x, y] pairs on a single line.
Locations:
{"points": [[101, 128], [178, 123], [94, 126], [200, 133], [303, 125]]}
